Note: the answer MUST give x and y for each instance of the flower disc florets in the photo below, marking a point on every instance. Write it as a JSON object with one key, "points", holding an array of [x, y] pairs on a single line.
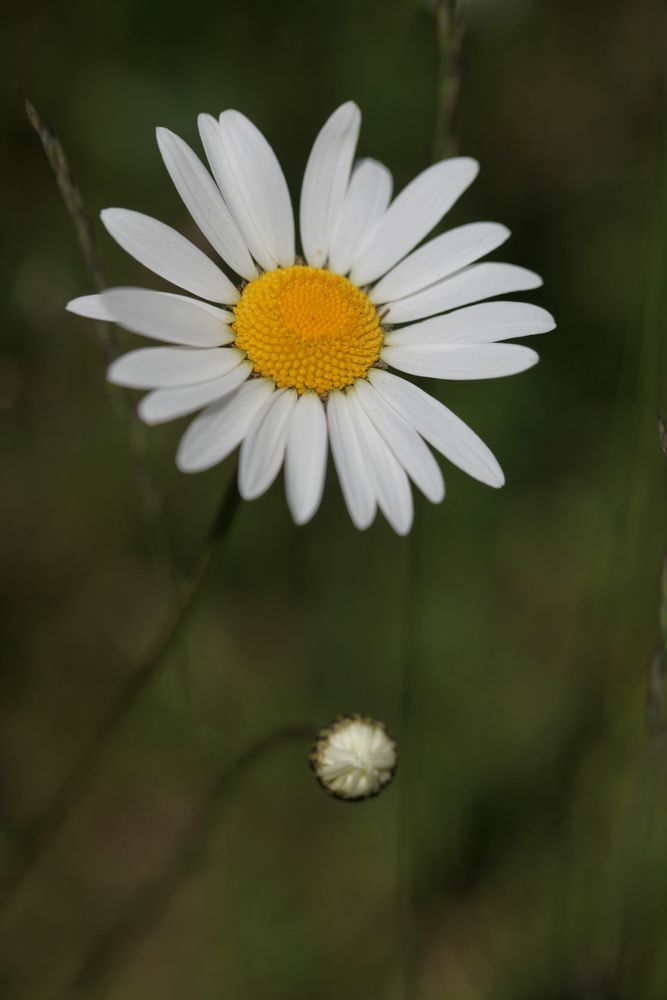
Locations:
{"points": [[307, 328]]}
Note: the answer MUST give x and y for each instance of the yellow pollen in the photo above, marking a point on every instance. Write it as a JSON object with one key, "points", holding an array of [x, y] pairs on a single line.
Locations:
{"points": [[307, 328]]}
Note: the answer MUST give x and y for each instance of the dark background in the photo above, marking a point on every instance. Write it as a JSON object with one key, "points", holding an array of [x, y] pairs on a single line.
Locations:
{"points": [[522, 850]]}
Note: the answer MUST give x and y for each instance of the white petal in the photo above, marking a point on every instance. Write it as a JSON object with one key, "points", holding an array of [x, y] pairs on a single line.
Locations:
{"points": [[366, 200], [216, 432], [176, 319], [439, 257], [390, 483], [204, 202], [167, 253], [325, 181], [416, 210], [350, 461], [404, 441], [439, 426], [163, 367], [90, 306], [306, 457], [263, 449], [162, 405], [253, 186], [480, 281], [481, 324], [460, 361]]}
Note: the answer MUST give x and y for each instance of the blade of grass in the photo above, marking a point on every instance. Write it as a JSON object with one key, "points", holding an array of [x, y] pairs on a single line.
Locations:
{"points": [[149, 495]]}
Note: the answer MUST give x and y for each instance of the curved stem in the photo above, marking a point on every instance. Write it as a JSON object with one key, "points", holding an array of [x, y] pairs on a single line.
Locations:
{"points": [[42, 832], [135, 920]]}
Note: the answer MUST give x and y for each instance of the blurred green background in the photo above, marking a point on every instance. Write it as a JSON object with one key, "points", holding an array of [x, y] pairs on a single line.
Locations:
{"points": [[521, 852]]}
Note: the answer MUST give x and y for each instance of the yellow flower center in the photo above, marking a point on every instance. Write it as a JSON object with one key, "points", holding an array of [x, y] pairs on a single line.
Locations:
{"points": [[307, 328]]}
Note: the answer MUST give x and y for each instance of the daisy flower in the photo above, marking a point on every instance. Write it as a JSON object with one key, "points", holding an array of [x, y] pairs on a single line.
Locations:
{"points": [[354, 757], [293, 354]]}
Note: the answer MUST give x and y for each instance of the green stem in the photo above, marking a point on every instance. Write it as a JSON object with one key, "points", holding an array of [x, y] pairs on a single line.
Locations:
{"points": [[408, 775], [655, 716], [38, 838], [130, 928], [636, 916], [449, 38]]}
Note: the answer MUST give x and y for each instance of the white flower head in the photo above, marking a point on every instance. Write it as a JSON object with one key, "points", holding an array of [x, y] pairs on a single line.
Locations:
{"points": [[354, 758], [289, 357]]}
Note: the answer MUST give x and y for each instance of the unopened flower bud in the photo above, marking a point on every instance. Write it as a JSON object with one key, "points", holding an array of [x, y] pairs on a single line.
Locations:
{"points": [[354, 757]]}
